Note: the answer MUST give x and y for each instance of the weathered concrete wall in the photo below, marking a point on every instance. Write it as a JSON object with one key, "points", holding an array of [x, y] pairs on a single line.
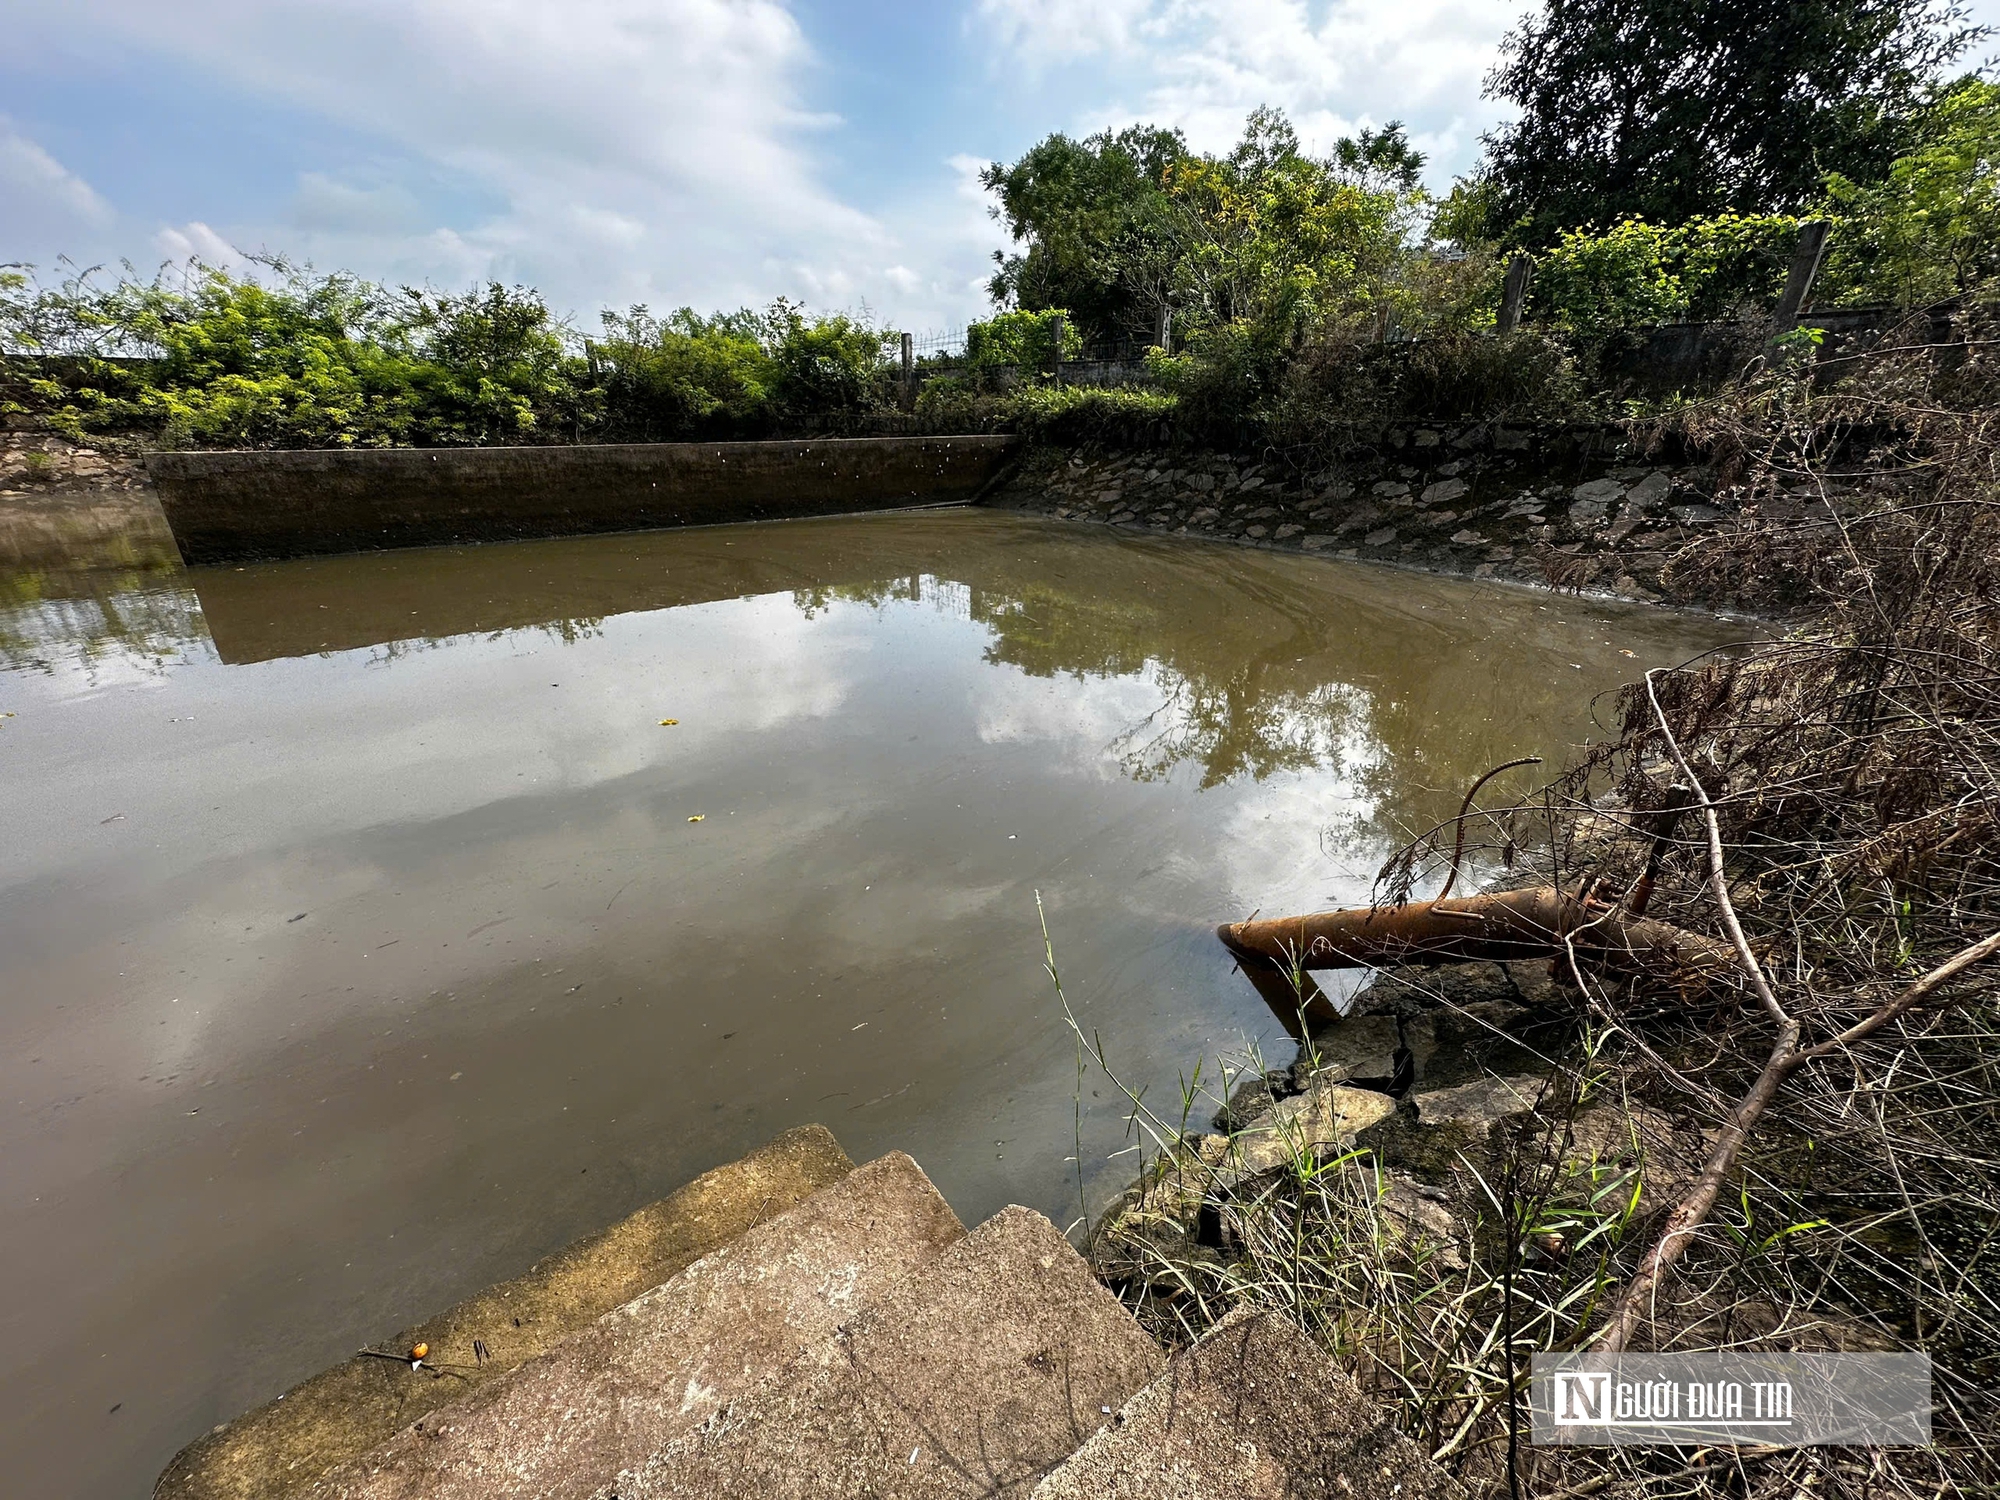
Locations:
{"points": [[228, 507]]}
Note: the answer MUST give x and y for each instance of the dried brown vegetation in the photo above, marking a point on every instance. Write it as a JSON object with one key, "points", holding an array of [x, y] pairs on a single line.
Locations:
{"points": [[1814, 1153]]}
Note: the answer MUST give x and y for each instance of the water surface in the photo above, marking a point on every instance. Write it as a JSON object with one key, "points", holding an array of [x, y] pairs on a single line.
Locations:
{"points": [[364, 934]]}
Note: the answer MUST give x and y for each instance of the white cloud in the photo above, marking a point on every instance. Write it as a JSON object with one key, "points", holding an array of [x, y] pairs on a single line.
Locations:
{"points": [[1053, 31], [644, 149], [1202, 65], [196, 241], [36, 185]]}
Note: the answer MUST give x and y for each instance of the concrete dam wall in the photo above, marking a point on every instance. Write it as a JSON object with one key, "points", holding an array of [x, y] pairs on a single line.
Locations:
{"points": [[238, 506]]}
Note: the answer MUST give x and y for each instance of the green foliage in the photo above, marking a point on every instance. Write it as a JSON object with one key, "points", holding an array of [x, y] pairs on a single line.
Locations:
{"points": [[1381, 158], [1024, 341], [1277, 240], [1076, 414], [1087, 216], [1469, 215], [1931, 229], [824, 365], [297, 359], [1047, 413], [683, 375], [1636, 274], [1223, 380], [1683, 108], [1123, 229]]}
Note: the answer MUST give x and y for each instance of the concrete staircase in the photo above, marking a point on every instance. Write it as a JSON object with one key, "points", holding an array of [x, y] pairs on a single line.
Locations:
{"points": [[857, 1342]]}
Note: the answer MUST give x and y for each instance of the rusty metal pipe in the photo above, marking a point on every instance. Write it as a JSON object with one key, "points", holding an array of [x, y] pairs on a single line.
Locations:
{"points": [[1539, 922]]}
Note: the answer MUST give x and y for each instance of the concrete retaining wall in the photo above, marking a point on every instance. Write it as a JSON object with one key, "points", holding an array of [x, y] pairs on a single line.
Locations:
{"points": [[229, 507]]}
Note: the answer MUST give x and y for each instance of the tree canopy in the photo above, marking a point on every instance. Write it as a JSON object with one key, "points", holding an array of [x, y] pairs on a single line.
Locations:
{"points": [[1119, 228], [1668, 109]]}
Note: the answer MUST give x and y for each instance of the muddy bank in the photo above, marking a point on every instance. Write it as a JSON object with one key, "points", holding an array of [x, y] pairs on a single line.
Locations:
{"points": [[1565, 509]]}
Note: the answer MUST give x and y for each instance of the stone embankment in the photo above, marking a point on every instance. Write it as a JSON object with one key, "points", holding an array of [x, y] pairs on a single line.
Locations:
{"points": [[1565, 509]]}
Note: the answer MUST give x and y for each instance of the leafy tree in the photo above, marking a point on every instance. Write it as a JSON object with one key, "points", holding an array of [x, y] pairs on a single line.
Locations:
{"points": [[1087, 214], [1381, 158], [683, 375], [491, 365], [1669, 109], [824, 365], [1931, 229], [1273, 238], [1023, 341]]}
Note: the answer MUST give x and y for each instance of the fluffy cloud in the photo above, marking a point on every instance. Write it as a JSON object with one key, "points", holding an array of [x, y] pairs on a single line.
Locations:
{"points": [[196, 241], [1204, 64], [642, 149], [41, 191], [1044, 32]]}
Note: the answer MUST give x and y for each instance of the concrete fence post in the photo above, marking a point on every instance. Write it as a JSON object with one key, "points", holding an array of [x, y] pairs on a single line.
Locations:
{"points": [[1166, 329], [1057, 324], [1805, 266], [909, 372], [1514, 294]]}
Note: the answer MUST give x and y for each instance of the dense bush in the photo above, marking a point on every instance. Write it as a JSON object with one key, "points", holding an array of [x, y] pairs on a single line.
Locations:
{"points": [[296, 359], [1931, 229], [1636, 274], [1021, 341]]}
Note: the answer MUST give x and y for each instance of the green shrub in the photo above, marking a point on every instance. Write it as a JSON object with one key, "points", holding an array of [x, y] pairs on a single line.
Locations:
{"points": [[683, 376], [1078, 414], [1023, 341], [824, 365], [1636, 275], [1932, 229], [296, 359]]}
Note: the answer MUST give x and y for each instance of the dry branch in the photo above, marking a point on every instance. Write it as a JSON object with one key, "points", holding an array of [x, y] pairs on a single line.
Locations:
{"points": [[1787, 1057]]}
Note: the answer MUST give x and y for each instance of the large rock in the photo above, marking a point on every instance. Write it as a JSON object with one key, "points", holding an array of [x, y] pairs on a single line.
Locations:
{"points": [[1481, 1104], [276, 1451], [609, 1397], [973, 1379], [1302, 1128], [1251, 1412]]}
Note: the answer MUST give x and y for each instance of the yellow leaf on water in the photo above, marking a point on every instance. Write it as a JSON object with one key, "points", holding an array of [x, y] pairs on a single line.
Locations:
{"points": [[665, 722], [697, 817], [1623, 652]]}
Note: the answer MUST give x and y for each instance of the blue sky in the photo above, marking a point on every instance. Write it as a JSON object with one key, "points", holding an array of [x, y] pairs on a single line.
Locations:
{"points": [[712, 152]]}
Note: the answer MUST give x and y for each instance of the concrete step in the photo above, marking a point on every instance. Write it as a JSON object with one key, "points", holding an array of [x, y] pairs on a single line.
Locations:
{"points": [[1251, 1412], [974, 1377], [611, 1395], [277, 1450]]}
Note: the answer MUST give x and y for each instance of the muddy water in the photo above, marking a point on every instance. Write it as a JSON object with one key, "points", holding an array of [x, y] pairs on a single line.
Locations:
{"points": [[364, 933]]}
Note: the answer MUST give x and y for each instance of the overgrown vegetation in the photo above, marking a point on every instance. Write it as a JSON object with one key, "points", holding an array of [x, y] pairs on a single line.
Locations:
{"points": [[293, 358], [1798, 1155]]}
